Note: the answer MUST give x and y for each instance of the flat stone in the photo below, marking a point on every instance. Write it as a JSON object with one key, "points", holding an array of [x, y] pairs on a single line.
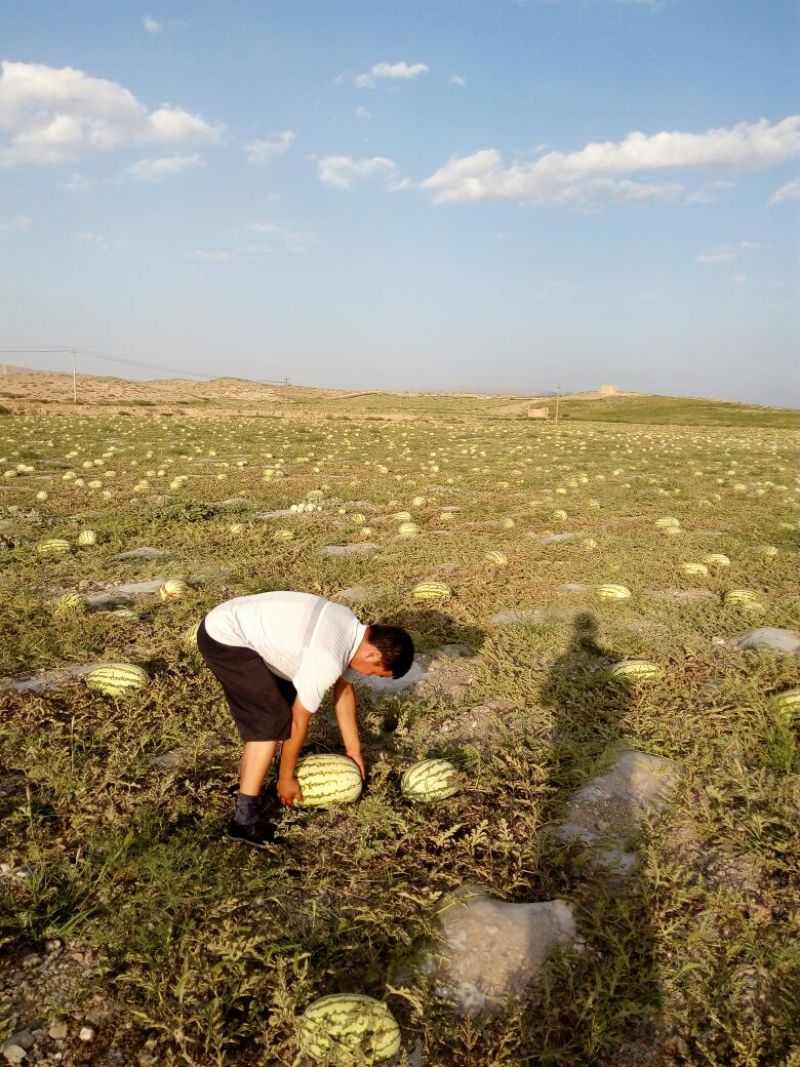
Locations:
{"points": [[284, 513], [518, 617], [38, 683], [771, 638], [415, 674], [576, 587], [680, 596], [556, 539], [354, 594], [452, 651], [346, 550], [58, 1030], [145, 552], [14, 1053], [123, 592], [488, 952], [609, 814], [24, 1038], [168, 761]]}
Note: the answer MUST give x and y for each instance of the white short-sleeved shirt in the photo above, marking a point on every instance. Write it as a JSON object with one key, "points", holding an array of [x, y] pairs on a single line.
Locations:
{"points": [[302, 637]]}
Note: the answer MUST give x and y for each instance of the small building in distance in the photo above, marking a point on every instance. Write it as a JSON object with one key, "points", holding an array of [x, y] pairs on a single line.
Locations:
{"points": [[539, 413], [608, 390]]}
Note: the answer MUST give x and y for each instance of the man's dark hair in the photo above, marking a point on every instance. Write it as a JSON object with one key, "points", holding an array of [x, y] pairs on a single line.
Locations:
{"points": [[395, 646]]}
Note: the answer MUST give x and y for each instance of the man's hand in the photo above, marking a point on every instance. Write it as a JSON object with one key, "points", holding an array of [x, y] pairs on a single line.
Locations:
{"points": [[289, 791], [358, 759]]}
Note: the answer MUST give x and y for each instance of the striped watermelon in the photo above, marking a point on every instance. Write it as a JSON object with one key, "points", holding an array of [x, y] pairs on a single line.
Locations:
{"points": [[740, 596], [611, 591], [432, 591], [589, 544], [716, 559], [500, 559], [328, 779], [788, 702], [770, 551], [190, 638], [117, 679], [402, 516], [666, 523], [87, 537], [430, 780], [283, 535], [69, 603], [347, 1028], [173, 589], [53, 546], [408, 529], [560, 515], [633, 671], [694, 570]]}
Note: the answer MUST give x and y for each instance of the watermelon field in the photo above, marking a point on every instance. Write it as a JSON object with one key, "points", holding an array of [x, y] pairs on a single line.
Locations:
{"points": [[545, 559]]}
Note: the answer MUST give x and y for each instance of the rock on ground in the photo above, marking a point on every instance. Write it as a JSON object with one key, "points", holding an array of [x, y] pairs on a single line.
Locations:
{"points": [[38, 683], [518, 617], [771, 638], [608, 815], [489, 952], [346, 550], [123, 592]]}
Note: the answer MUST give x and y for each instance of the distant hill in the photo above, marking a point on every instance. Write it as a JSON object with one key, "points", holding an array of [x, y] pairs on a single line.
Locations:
{"points": [[27, 390]]}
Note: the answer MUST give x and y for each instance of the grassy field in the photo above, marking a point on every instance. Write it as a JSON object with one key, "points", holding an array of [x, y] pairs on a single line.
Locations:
{"points": [[197, 952]]}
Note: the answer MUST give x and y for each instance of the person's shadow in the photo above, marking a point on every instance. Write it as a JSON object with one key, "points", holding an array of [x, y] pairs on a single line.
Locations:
{"points": [[591, 857]]}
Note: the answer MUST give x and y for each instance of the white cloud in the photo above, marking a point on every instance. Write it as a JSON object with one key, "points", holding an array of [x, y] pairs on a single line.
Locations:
{"points": [[296, 241], [401, 71], [97, 239], [18, 222], [598, 170], [363, 113], [154, 170], [647, 298], [151, 24], [790, 191], [223, 255], [727, 252], [740, 279], [264, 151], [456, 79], [52, 114], [343, 171]]}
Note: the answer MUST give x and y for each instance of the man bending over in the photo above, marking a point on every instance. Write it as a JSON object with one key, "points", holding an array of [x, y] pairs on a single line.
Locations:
{"points": [[276, 655]]}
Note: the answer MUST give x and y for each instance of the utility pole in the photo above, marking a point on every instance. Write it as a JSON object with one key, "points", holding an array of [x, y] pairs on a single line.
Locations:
{"points": [[74, 376], [558, 397]]}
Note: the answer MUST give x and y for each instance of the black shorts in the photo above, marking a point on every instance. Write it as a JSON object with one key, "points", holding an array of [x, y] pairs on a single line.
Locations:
{"points": [[260, 701]]}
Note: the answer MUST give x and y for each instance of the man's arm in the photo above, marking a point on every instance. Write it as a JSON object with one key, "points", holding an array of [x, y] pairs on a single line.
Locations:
{"points": [[288, 787], [344, 699]]}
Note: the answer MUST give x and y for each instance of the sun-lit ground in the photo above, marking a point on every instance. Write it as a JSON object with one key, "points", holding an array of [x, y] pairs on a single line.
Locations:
{"points": [[202, 952]]}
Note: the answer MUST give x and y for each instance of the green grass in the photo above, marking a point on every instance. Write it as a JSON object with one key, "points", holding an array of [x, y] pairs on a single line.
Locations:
{"points": [[211, 951], [677, 411]]}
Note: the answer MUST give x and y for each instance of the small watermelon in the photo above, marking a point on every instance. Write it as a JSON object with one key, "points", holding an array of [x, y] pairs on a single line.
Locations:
{"points": [[328, 779], [53, 546], [347, 1028], [430, 780], [612, 591], [431, 591], [634, 671], [117, 679]]}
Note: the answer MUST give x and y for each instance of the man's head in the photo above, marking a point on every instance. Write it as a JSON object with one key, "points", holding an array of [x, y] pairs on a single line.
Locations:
{"points": [[387, 651]]}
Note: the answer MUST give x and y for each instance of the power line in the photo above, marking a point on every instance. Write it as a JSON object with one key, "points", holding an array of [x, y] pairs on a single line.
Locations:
{"points": [[106, 358]]}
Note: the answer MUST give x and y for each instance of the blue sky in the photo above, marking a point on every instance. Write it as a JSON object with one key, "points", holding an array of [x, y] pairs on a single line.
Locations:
{"points": [[488, 195]]}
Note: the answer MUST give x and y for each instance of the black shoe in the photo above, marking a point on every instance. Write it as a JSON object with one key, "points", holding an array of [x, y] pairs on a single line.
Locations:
{"points": [[259, 835]]}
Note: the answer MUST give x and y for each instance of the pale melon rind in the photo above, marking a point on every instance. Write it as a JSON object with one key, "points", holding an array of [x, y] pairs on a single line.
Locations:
{"points": [[430, 780], [346, 1028], [328, 779]]}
